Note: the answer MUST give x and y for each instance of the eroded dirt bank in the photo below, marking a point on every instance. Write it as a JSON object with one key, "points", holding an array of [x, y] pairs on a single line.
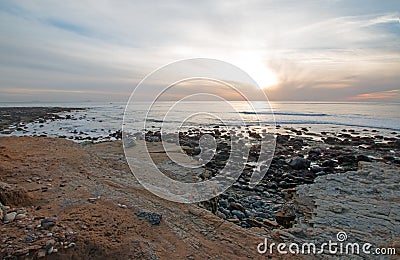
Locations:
{"points": [[83, 202]]}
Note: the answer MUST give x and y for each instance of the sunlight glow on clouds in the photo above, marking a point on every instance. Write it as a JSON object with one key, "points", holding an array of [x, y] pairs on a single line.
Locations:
{"points": [[299, 50]]}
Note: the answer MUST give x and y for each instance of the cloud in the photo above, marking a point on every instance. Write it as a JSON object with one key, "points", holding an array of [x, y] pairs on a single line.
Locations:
{"points": [[389, 95], [327, 49]]}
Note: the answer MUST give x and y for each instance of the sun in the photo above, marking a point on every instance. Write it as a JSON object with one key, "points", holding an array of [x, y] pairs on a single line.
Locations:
{"points": [[262, 75]]}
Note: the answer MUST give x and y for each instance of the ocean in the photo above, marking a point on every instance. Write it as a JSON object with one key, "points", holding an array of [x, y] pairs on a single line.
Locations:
{"points": [[100, 119]]}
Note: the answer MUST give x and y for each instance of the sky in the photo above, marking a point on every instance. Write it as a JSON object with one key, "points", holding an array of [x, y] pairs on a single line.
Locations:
{"points": [[327, 50]]}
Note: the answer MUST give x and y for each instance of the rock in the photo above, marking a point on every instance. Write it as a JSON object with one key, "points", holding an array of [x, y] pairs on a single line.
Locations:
{"points": [[226, 212], [270, 223], [29, 239], [237, 206], [299, 163], [363, 158], [223, 203], [316, 168], [388, 158], [221, 215], [283, 184], [329, 163], [285, 216], [238, 214], [254, 222], [20, 216], [152, 218], [122, 206], [347, 159], [10, 217], [234, 220], [50, 250], [71, 245], [48, 223], [50, 243], [332, 140], [92, 200]]}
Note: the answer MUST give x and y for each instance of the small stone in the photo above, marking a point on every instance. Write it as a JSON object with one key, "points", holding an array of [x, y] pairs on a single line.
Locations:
{"points": [[10, 217], [363, 158], [221, 215], [239, 214], [299, 163], [92, 200], [122, 206], [50, 243], [223, 203], [20, 216], [50, 250], [234, 220], [71, 245], [29, 238], [48, 222], [285, 216], [270, 223], [237, 206]]}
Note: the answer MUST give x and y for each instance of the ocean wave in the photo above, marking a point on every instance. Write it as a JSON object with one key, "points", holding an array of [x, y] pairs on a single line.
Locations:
{"points": [[283, 113]]}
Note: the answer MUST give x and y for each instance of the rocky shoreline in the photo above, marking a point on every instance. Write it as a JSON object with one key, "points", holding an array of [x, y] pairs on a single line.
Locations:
{"points": [[279, 207], [16, 118], [297, 161]]}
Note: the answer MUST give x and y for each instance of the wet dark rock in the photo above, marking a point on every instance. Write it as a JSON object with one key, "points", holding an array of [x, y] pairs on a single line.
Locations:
{"points": [[363, 158], [316, 168], [316, 152], [152, 218], [223, 203], [237, 206], [329, 163], [48, 223], [239, 214], [299, 163], [347, 159], [388, 158], [283, 184], [332, 140]]}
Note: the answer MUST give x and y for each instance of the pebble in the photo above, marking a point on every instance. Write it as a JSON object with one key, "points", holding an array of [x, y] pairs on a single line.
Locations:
{"points": [[47, 222], [10, 217], [299, 163], [20, 216], [239, 214], [123, 206], [234, 220], [71, 245]]}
